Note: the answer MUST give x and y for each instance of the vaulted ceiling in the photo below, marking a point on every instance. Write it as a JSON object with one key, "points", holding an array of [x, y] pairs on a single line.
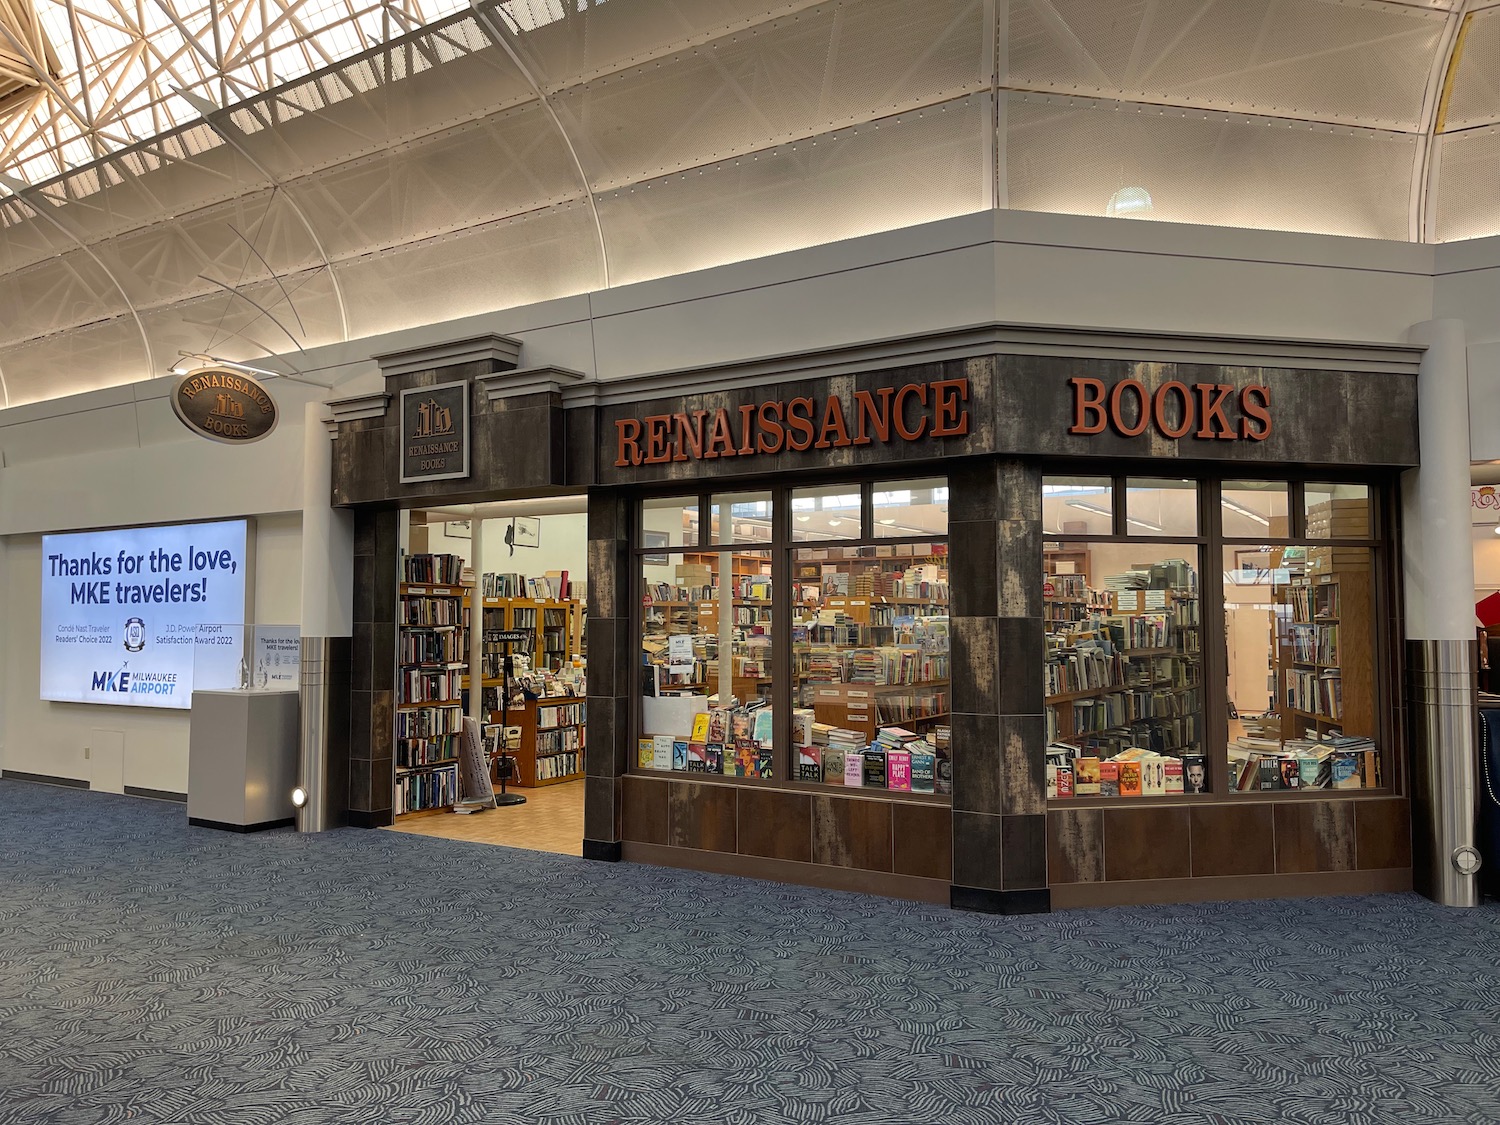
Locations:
{"points": [[244, 177]]}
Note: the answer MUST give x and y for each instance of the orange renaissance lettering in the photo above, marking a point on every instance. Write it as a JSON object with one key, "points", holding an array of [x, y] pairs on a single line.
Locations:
{"points": [[938, 409]]}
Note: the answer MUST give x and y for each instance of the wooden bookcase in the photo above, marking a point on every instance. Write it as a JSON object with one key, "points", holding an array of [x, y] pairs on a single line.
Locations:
{"points": [[857, 707], [432, 653], [1334, 595], [1152, 695], [556, 628], [544, 722]]}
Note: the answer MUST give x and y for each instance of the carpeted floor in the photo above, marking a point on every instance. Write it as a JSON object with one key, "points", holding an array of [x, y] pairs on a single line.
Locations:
{"points": [[150, 972]]}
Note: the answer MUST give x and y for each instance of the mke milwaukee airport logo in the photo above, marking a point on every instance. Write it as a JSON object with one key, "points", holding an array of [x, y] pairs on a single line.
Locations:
{"points": [[122, 681]]}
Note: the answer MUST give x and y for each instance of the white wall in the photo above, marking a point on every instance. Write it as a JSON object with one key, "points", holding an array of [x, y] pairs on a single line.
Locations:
{"points": [[563, 545], [49, 738]]}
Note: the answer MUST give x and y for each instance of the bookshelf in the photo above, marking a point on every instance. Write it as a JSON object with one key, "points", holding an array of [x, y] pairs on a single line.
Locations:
{"points": [[1123, 669], [552, 740], [432, 653], [556, 627], [1326, 653], [1066, 561]]}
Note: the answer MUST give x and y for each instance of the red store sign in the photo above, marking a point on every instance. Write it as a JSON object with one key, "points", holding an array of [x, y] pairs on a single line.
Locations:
{"points": [[1175, 410], [909, 413]]}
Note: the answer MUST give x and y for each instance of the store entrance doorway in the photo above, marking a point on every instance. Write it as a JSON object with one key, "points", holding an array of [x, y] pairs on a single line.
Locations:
{"points": [[499, 589]]}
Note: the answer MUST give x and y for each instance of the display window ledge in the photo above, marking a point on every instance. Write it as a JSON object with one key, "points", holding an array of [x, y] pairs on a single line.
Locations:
{"points": [[1194, 800], [772, 785]]}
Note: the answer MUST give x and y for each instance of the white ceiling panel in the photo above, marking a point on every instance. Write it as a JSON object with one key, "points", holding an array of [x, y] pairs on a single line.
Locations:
{"points": [[1474, 98], [539, 256], [832, 65], [504, 165], [1468, 197], [898, 172], [1362, 63], [1075, 155]]}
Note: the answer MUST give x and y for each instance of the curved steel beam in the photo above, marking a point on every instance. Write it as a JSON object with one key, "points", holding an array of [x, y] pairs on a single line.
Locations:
{"points": [[500, 36], [1434, 101], [217, 119], [44, 211]]}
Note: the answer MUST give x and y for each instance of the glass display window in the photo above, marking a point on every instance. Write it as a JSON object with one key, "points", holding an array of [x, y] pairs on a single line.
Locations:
{"points": [[803, 636], [1252, 509], [706, 661], [827, 512], [1123, 671], [902, 509], [870, 665], [740, 517], [1078, 506], [1161, 507], [1301, 666], [1265, 681], [1337, 511], [670, 521]]}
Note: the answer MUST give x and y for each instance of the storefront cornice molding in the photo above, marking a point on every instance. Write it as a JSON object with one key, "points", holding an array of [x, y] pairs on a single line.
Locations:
{"points": [[503, 350], [352, 409], [529, 381], [1004, 339]]}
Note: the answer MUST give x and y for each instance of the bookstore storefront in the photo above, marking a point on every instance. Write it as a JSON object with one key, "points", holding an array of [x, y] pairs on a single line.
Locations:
{"points": [[1009, 632]]}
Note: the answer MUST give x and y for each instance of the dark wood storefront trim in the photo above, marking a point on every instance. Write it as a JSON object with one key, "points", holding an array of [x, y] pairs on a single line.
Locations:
{"points": [[1235, 888], [783, 871]]}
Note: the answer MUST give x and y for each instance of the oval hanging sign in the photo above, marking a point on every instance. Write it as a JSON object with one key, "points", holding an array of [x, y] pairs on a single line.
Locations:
{"points": [[227, 406]]}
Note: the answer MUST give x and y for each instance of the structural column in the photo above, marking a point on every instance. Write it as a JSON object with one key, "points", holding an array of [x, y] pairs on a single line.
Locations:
{"points": [[612, 673], [1438, 574], [372, 736], [999, 768], [327, 627]]}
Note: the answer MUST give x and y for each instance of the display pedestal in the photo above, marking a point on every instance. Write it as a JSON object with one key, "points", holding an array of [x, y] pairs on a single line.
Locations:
{"points": [[242, 759]]}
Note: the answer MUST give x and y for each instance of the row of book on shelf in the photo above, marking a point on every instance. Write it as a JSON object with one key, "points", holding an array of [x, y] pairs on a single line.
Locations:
{"points": [[1338, 762], [1265, 757], [422, 686], [738, 742], [429, 789], [435, 570], [1314, 643], [433, 609], [554, 585], [1133, 772], [559, 765]]}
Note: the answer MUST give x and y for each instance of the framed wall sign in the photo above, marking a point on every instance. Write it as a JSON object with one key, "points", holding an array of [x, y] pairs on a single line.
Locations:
{"points": [[435, 432], [650, 539], [524, 531]]}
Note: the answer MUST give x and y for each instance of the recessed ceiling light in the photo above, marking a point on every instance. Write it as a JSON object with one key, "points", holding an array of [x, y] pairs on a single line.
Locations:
{"points": [[887, 522], [803, 519], [834, 522]]}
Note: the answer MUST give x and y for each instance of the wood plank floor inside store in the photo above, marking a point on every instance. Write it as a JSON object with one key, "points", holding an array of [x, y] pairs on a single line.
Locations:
{"points": [[551, 820]]}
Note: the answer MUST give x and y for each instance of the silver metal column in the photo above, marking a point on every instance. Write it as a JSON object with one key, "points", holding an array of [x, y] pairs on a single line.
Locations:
{"points": [[1440, 696], [312, 769]]}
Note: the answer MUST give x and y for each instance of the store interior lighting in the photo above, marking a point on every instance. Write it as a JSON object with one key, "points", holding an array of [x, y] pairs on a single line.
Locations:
{"points": [[1098, 511], [1248, 513]]}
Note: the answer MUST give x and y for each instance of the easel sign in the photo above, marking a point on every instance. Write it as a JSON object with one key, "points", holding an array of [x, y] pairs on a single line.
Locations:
{"points": [[506, 638], [476, 772]]}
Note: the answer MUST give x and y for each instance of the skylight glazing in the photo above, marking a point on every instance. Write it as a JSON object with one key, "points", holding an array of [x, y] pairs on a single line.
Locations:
{"points": [[116, 66]]}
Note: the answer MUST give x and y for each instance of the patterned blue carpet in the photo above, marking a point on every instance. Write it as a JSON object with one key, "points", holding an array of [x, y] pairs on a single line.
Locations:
{"points": [[150, 972]]}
